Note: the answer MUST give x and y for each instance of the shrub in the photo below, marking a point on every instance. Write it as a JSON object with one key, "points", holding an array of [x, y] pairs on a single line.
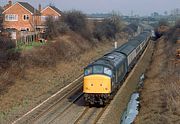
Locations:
{"points": [[6, 43], [161, 28], [7, 53], [62, 27], [173, 34], [70, 21], [51, 30], [131, 28], [108, 28], [76, 20]]}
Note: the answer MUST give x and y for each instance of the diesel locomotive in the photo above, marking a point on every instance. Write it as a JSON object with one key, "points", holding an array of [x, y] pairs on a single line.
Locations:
{"points": [[103, 77]]}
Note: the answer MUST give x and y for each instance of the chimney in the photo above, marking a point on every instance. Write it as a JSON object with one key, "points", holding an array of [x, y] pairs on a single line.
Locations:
{"points": [[39, 7], [8, 5]]}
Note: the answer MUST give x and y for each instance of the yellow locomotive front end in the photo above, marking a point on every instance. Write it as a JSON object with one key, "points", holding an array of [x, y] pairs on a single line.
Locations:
{"points": [[97, 84]]}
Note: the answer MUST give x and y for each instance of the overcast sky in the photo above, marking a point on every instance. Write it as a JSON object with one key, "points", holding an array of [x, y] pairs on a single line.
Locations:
{"points": [[141, 7]]}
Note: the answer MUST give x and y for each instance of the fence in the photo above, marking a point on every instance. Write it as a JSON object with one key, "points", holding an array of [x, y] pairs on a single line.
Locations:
{"points": [[27, 37]]}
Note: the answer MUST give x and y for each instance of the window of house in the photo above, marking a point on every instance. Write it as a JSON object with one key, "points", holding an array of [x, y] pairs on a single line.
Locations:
{"points": [[26, 17], [25, 29], [11, 17]]}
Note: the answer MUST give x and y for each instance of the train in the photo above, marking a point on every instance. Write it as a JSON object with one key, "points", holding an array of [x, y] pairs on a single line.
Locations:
{"points": [[103, 77]]}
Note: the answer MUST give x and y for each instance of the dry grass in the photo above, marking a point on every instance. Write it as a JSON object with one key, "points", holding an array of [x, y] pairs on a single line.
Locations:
{"points": [[161, 93], [41, 72]]}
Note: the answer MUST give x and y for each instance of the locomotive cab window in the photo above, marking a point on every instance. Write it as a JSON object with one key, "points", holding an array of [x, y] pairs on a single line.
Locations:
{"points": [[88, 71], [98, 69], [107, 71]]}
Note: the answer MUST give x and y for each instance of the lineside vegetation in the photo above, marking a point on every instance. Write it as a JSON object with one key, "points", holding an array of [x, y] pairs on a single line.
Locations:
{"points": [[77, 22]]}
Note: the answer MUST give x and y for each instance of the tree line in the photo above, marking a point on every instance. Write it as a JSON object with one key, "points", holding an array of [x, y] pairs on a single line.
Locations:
{"points": [[77, 21]]}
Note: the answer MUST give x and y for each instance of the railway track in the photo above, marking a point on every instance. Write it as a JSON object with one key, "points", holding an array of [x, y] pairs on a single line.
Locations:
{"points": [[83, 116], [90, 115], [66, 108], [52, 102], [57, 110]]}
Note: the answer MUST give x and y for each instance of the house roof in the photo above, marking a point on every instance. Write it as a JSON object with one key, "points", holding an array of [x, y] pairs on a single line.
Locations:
{"points": [[53, 8], [29, 7], [56, 9]]}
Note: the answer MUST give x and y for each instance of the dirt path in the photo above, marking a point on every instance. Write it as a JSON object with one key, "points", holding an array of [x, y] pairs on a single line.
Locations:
{"points": [[160, 97]]}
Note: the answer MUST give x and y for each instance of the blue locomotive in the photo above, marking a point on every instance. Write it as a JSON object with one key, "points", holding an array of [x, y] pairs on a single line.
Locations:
{"points": [[104, 76]]}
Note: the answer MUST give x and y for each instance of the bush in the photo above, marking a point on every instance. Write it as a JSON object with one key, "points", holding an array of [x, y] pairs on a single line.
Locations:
{"points": [[51, 27], [62, 28], [6, 43], [55, 27], [161, 28], [7, 53], [70, 21], [173, 34], [76, 20], [108, 28], [131, 28]]}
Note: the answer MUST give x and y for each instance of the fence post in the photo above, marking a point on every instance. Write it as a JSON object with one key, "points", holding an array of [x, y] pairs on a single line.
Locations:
{"points": [[115, 44]]}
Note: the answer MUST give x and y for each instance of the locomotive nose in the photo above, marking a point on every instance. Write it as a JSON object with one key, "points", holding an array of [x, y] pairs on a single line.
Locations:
{"points": [[97, 84]]}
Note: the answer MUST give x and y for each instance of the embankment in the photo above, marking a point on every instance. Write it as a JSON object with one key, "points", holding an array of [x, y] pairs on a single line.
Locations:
{"points": [[42, 71]]}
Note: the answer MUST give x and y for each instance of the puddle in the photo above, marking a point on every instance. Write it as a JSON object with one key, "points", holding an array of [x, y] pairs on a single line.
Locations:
{"points": [[131, 111], [132, 108]]}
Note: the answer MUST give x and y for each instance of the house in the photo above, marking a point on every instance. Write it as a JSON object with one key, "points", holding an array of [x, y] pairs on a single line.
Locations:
{"points": [[21, 16], [24, 17], [49, 11]]}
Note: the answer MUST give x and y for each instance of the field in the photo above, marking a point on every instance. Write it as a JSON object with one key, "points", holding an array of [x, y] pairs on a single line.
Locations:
{"points": [[160, 97]]}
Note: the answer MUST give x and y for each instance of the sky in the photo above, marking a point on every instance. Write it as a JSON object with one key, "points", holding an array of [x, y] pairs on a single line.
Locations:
{"points": [[125, 7]]}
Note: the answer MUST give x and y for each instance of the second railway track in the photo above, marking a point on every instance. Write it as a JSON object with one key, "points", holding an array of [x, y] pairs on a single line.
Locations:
{"points": [[90, 115], [67, 108], [68, 94]]}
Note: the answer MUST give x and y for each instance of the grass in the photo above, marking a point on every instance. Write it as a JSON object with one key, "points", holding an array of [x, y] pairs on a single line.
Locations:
{"points": [[15, 109], [161, 93], [29, 46]]}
